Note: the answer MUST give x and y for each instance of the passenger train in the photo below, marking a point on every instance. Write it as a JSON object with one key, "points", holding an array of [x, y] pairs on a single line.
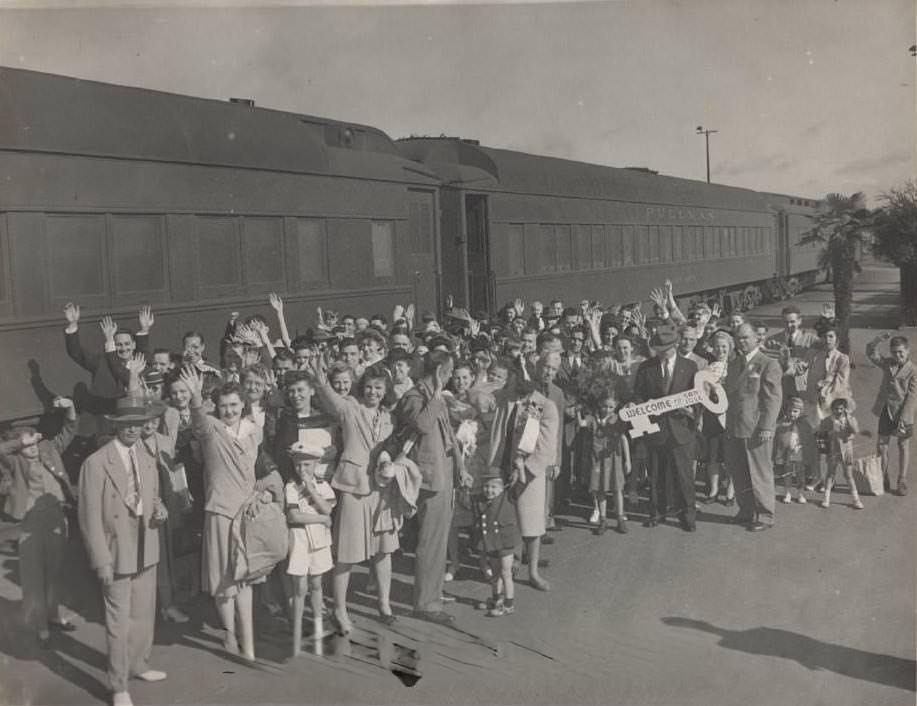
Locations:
{"points": [[113, 197]]}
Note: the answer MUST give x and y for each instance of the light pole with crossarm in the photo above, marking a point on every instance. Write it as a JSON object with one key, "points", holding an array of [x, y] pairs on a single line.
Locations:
{"points": [[706, 134]]}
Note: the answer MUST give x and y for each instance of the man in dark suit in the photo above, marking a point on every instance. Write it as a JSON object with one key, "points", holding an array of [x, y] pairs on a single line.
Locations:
{"points": [[422, 416], [120, 512], [672, 447], [753, 386]]}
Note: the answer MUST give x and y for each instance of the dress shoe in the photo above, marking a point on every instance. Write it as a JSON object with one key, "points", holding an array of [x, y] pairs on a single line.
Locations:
{"points": [[688, 526], [902, 488], [652, 522], [539, 584], [887, 484], [440, 617], [600, 530], [730, 502], [151, 675], [708, 499], [757, 527], [121, 698], [174, 615], [547, 540], [62, 626]]}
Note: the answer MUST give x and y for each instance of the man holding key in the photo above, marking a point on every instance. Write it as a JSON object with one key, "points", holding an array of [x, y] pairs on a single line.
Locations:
{"points": [[672, 447]]}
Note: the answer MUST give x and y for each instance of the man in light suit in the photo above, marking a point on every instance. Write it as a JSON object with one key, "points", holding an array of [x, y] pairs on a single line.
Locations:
{"points": [[546, 369], [120, 512], [672, 447], [755, 395], [896, 403], [422, 415]]}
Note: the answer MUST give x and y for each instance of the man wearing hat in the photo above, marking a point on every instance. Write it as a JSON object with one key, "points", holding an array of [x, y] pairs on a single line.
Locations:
{"points": [[672, 447], [120, 512]]}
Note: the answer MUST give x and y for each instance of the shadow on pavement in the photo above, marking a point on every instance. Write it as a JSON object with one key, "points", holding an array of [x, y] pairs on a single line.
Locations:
{"points": [[811, 653]]}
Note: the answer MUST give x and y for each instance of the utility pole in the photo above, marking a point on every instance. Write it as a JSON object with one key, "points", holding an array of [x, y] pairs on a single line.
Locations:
{"points": [[706, 134]]}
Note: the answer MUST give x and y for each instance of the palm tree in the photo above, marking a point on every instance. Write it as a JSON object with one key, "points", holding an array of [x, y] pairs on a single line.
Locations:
{"points": [[895, 233], [840, 226]]}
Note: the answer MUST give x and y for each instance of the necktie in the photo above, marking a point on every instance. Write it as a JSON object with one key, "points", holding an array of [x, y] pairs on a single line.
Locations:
{"points": [[134, 500]]}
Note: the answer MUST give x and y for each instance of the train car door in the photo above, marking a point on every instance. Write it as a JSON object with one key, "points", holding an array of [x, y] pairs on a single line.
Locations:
{"points": [[422, 256], [480, 275]]}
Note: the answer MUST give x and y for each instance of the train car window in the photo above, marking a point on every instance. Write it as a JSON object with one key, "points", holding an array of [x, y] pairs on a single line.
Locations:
{"points": [[711, 243], [312, 251], [582, 247], [564, 248], [548, 249], [627, 246], [600, 256], [649, 239], [262, 243], [665, 244], [514, 262], [532, 242], [77, 257], [642, 237], [138, 255], [383, 237], [678, 237], [219, 267]]}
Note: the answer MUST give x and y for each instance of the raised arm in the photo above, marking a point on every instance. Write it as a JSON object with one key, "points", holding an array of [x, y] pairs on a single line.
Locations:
{"points": [[142, 337], [677, 316], [66, 434], [277, 306], [72, 338], [872, 348]]}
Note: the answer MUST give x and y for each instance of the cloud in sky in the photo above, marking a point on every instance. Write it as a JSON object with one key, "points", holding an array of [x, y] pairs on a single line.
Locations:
{"points": [[799, 90]]}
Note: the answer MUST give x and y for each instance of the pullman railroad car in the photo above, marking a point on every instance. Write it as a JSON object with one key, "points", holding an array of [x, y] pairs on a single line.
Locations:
{"points": [[113, 197]]}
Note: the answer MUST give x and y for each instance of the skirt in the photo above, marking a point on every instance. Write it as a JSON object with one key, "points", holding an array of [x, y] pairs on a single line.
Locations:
{"points": [[530, 508], [216, 566], [355, 537]]}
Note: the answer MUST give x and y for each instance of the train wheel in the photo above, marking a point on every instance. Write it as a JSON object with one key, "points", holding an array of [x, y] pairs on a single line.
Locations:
{"points": [[748, 298]]}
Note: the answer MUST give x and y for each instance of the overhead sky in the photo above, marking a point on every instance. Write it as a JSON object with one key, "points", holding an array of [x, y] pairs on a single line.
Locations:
{"points": [[808, 96]]}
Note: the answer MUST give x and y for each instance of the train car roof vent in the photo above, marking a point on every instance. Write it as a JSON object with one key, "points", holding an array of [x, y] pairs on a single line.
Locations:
{"points": [[250, 102], [645, 170], [468, 141]]}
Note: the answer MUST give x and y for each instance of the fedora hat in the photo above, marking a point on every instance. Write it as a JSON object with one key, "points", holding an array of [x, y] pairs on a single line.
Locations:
{"points": [[136, 408], [664, 338]]}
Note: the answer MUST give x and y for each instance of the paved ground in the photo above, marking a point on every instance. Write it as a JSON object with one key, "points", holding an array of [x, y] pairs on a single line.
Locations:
{"points": [[819, 610]]}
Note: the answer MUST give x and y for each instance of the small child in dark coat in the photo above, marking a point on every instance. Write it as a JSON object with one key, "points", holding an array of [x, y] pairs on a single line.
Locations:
{"points": [[495, 523]]}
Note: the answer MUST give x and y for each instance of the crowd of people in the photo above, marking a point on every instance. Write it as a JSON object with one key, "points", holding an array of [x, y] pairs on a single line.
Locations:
{"points": [[287, 461]]}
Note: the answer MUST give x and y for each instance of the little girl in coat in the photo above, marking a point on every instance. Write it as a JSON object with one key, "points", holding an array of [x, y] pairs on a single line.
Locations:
{"points": [[794, 442]]}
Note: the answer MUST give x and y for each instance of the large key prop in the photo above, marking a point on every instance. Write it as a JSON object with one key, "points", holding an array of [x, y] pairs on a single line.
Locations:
{"points": [[705, 383]]}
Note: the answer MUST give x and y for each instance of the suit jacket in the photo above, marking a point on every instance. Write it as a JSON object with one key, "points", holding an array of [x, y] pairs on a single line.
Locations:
{"points": [[795, 368], [57, 486], [111, 533], [361, 449], [755, 395], [106, 385], [435, 452], [675, 428], [545, 452], [834, 382], [898, 390]]}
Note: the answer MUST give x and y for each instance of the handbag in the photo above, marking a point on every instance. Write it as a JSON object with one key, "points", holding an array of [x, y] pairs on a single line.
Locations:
{"points": [[867, 475]]}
